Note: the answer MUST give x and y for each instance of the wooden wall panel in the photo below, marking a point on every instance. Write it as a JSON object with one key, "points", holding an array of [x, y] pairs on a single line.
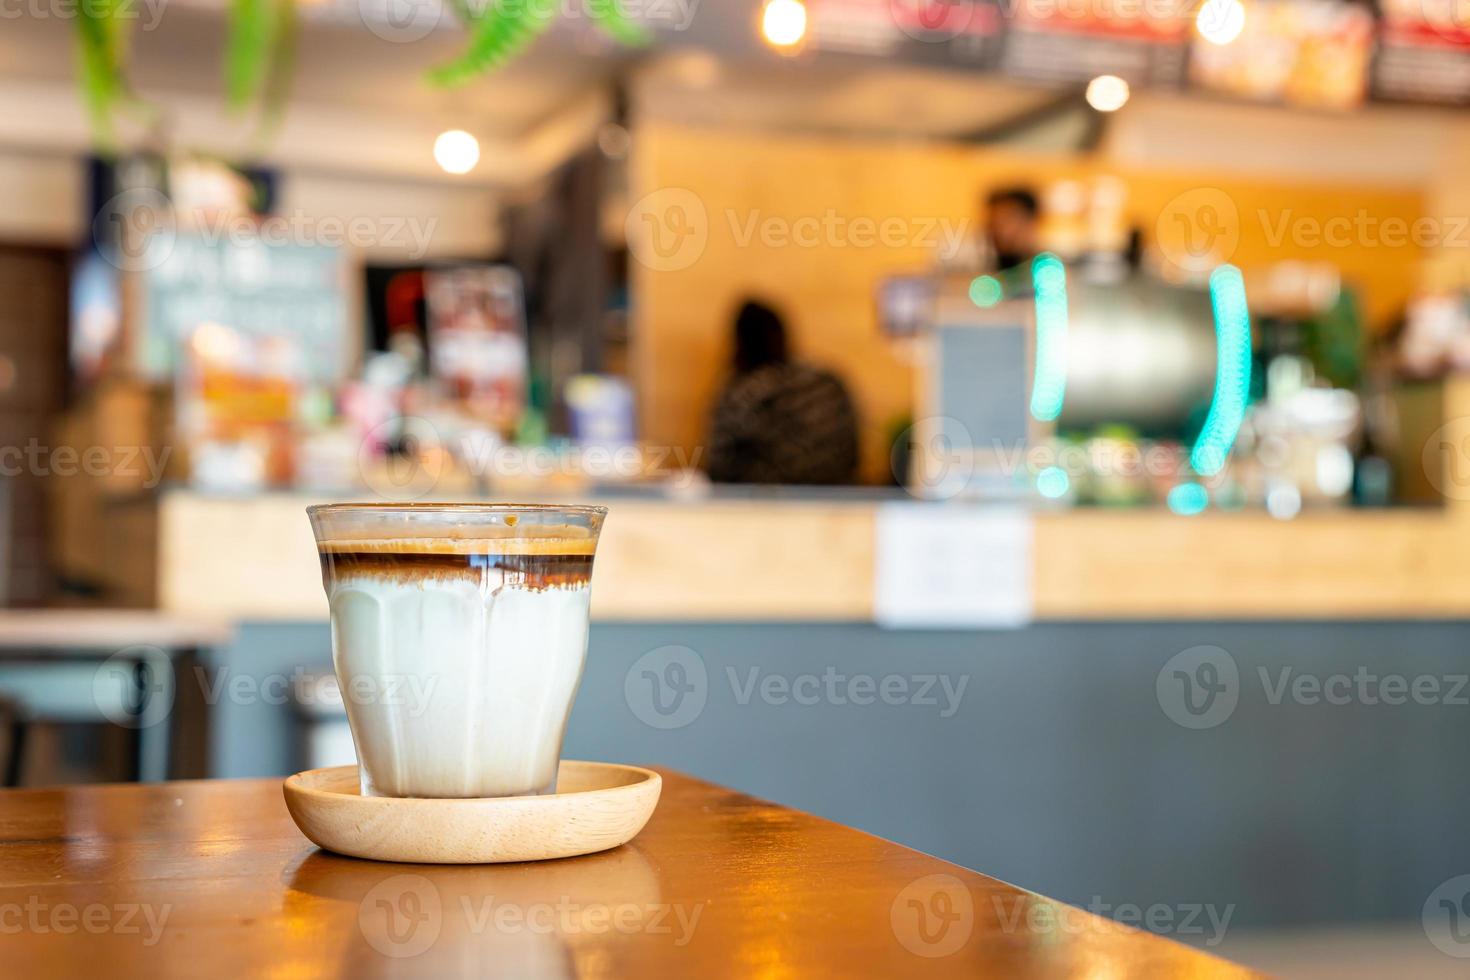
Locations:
{"points": [[682, 314]]}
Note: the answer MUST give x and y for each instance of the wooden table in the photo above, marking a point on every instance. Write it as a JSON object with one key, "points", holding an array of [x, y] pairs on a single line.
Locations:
{"points": [[107, 629], [194, 879], [118, 666]]}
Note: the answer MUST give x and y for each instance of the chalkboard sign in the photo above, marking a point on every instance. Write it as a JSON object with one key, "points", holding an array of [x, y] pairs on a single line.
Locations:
{"points": [[255, 287]]}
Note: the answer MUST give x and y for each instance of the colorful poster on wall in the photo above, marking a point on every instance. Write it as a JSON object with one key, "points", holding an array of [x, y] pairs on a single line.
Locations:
{"points": [[477, 339], [1072, 41], [236, 407], [1424, 52], [1312, 53], [960, 32]]}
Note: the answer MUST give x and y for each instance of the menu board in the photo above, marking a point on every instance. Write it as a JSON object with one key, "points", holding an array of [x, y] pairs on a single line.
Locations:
{"points": [[1424, 52], [1302, 52], [253, 287], [962, 32], [1072, 41]]}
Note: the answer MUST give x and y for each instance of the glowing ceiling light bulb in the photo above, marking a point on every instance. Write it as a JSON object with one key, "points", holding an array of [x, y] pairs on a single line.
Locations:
{"points": [[783, 23], [1107, 93], [1220, 21], [456, 151]]}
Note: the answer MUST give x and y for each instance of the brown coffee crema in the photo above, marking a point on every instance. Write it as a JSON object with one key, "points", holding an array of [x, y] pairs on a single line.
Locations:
{"points": [[531, 563]]}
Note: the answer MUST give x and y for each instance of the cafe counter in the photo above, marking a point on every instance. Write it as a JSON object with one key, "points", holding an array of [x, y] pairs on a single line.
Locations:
{"points": [[816, 560]]}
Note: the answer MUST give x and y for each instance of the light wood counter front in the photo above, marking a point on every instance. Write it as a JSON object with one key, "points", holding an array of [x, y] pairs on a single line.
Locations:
{"points": [[782, 561]]}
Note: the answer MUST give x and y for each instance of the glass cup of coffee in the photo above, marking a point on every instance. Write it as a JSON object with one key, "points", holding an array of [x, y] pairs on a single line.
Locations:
{"points": [[459, 632]]}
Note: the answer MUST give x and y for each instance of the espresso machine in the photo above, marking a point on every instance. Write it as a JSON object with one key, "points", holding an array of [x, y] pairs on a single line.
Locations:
{"points": [[1005, 362]]}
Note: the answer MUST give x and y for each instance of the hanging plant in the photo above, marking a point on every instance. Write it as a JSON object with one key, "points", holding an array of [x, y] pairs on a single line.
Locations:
{"points": [[102, 40], [260, 55], [260, 51], [501, 29]]}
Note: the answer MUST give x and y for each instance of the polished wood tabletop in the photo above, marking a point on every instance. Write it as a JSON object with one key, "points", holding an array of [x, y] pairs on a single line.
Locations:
{"points": [[201, 879]]}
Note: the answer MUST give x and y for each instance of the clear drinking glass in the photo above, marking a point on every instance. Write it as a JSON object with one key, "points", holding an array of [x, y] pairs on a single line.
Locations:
{"points": [[459, 632]]}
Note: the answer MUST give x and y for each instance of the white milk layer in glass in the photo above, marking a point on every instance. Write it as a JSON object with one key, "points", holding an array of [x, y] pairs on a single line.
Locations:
{"points": [[457, 686]]}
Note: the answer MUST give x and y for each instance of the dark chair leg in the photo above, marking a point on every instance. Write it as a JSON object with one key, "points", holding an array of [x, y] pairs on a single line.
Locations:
{"points": [[18, 730]]}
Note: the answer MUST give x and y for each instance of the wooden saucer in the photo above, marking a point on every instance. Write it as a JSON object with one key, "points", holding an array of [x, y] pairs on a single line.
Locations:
{"points": [[596, 806]]}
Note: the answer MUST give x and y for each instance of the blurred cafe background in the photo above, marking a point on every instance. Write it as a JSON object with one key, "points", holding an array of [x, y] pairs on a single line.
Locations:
{"points": [[1035, 431]]}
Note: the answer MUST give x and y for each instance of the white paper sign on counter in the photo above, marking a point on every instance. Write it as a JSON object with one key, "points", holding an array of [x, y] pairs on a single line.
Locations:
{"points": [[952, 566]]}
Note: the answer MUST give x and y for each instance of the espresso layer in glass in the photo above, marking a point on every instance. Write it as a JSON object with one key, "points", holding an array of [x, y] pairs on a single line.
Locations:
{"points": [[520, 571]]}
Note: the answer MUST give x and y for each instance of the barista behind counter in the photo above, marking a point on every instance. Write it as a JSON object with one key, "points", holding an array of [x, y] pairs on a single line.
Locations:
{"points": [[779, 420], [1012, 228]]}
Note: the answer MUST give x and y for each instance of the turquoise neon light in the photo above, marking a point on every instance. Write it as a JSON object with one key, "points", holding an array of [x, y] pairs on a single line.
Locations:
{"points": [[1049, 387], [1188, 499], [1232, 371], [1053, 483], [986, 291]]}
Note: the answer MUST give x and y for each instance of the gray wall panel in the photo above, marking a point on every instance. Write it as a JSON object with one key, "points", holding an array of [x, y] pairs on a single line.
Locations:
{"points": [[1060, 771]]}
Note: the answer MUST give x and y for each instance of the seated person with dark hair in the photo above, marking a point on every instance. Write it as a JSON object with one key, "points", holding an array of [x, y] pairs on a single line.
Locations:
{"points": [[779, 421]]}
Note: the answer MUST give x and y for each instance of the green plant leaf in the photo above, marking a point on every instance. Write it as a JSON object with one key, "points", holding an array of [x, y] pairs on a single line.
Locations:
{"points": [[610, 17], [496, 35], [102, 49], [282, 64], [97, 79], [261, 59], [248, 51]]}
